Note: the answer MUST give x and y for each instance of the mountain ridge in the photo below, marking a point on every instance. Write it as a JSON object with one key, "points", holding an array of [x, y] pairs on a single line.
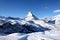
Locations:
{"points": [[31, 24]]}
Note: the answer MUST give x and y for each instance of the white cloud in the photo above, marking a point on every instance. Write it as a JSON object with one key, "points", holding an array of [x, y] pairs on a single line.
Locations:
{"points": [[57, 11]]}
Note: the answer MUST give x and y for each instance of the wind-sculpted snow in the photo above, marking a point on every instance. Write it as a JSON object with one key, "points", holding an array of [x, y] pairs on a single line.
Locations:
{"points": [[52, 35]]}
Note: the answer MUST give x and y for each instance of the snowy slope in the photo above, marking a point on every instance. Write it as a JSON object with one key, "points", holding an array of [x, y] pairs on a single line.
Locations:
{"points": [[52, 35]]}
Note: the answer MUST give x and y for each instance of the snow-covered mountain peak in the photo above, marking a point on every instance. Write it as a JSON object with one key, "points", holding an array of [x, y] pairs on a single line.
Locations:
{"points": [[30, 16], [57, 15]]}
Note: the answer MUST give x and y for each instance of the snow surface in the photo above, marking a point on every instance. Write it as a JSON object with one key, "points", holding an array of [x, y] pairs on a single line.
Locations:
{"points": [[52, 35]]}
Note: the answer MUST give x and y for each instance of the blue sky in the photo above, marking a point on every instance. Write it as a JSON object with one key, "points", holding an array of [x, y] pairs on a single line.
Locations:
{"points": [[19, 8]]}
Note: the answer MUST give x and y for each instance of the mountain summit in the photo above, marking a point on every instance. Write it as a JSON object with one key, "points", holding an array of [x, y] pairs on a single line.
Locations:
{"points": [[30, 16]]}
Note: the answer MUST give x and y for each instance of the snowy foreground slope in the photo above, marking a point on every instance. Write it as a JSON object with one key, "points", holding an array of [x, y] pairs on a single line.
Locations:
{"points": [[52, 35], [30, 28]]}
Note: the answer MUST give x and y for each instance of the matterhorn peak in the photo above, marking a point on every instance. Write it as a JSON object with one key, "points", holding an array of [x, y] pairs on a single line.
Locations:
{"points": [[30, 16], [29, 13]]}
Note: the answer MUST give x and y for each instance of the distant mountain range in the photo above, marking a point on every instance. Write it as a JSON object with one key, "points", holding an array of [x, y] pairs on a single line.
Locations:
{"points": [[29, 24]]}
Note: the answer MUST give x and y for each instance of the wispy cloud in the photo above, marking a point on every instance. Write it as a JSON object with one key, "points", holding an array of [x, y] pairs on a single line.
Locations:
{"points": [[57, 11]]}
